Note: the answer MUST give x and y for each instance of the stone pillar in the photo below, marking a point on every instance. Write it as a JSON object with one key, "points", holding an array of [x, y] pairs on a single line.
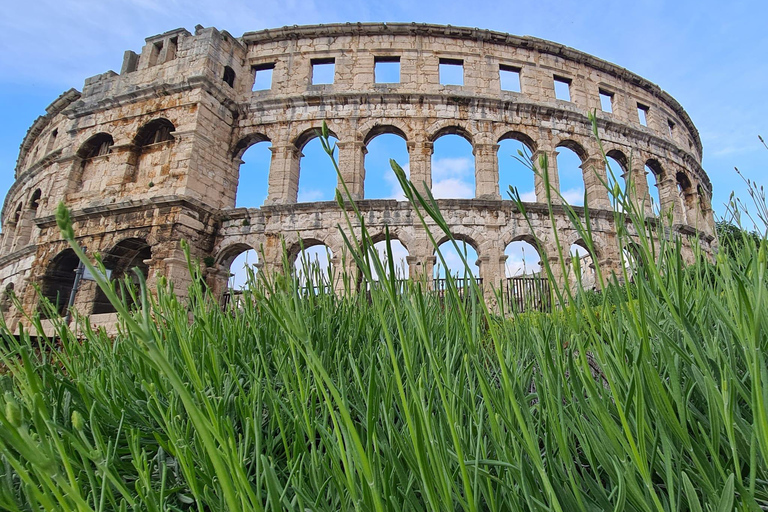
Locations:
{"points": [[420, 158], [283, 174], [352, 167], [595, 180], [546, 161], [217, 278], [486, 171]]}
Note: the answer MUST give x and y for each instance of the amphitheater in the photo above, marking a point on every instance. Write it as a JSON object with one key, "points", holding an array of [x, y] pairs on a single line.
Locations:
{"points": [[149, 157]]}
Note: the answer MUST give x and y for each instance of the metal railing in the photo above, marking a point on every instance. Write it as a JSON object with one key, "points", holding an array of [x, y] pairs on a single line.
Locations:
{"points": [[527, 293]]}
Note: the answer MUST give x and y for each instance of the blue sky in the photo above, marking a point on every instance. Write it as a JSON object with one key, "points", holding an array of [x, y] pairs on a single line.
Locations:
{"points": [[711, 56]]}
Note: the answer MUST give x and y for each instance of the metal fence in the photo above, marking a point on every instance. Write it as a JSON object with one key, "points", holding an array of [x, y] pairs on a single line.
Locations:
{"points": [[527, 293]]}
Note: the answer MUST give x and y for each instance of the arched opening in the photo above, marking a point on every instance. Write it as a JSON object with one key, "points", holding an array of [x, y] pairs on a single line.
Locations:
{"points": [[58, 281], [514, 155], [685, 193], [704, 204], [120, 262], [229, 76], [317, 177], [17, 214], [399, 253], [313, 266], [34, 201], [570, 157], [383, 145], [523, 259], [453, 165], [6, 300], [93, 151], [255, 157], [616, 169], [526, 287], [242, 266], [653, 175], [453, 264], [150, 145], [582, 266]]}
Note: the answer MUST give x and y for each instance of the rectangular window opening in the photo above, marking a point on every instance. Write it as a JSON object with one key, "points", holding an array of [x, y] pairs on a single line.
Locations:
{"points": [[173, 44], [323, 71], [386, 70], [606, 101], [509, 76], [562, 88], [671, 126], [155, 53], [451, 72], [262, 76], [642, 114]]}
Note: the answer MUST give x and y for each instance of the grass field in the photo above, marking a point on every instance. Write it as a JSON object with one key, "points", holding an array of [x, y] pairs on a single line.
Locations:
{"points": [[648, 396]]}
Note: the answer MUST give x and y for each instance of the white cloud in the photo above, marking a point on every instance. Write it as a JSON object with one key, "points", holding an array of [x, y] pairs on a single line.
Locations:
{"points": [[574, 196], [453, 188], [399, 253], [528, 197], [310, 260], [460, 167]]}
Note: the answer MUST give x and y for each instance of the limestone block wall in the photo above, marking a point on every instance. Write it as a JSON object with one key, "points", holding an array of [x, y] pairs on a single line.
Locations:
{"points": [[151, 156]]}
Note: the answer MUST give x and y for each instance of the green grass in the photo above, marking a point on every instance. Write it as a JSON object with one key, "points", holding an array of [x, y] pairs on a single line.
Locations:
{"points": [[643, 397]]}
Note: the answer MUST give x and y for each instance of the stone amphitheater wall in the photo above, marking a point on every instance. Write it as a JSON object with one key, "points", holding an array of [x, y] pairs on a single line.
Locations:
{"points": [[153, 153]]}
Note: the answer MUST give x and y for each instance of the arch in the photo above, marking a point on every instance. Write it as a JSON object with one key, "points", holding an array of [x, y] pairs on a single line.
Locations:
{"points": [[229, 76], [514, 157], [313, 265], [467, 245], [570, 159], [654, 174], [96, 145], [380, 181], [58, 280], [523, 257], [453, 165], [17, 213], [400, 254], [240, 258], [154, 132], [683, 182], [119, 261], [254, 160], [574, 146], [246, 142], [452, 129], [34, 200], [588, 276], [616, 173], [309, 134], [318, 182], [381, 129], [519, 136]]}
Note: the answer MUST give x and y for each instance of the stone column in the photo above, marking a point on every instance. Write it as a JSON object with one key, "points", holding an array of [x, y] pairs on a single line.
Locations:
{"points": [[420, 158], [486, 171], [217, 278], [595, 180], [352, 167], [283, 174], [545, 160]]}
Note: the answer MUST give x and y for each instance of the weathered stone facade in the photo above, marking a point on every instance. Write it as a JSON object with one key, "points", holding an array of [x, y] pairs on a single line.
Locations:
{"points": [[150, 156]]}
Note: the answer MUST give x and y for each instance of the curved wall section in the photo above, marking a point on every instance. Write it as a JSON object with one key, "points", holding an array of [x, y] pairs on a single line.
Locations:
{"points": [[152, 155]]}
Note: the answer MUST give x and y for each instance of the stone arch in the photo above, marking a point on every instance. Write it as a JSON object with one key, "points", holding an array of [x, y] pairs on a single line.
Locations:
{"points": [[58, 280], [151, 150], [251, 183], [315, 186], [91, 159], [246, 142], [34, 200], [463, 238], [513, 264], [571, 182], [575, 146], [514, 148], [655, 177], [120, 260], [520, 136], [396, 241], [227, 258], [390, 127], [451, 128], [382, 143], [309, 134]]}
